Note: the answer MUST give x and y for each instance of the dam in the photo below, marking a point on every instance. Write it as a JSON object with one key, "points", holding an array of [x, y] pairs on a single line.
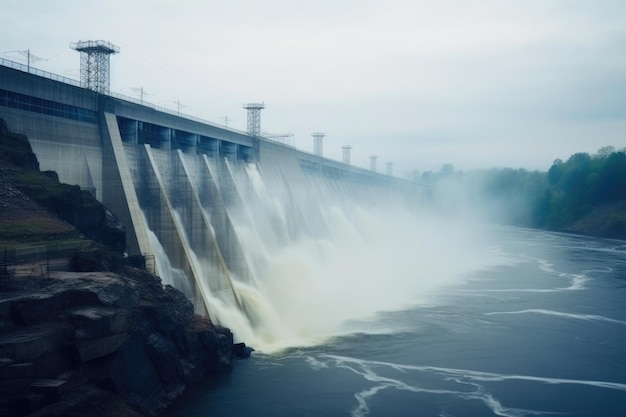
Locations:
{"points": [[207, 201]]}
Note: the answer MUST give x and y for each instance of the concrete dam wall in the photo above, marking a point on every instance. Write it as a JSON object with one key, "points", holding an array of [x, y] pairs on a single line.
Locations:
{"points": [[208, 202]]}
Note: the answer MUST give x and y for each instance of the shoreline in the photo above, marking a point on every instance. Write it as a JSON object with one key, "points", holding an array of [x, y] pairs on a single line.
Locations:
{"points": [[101, 343]]}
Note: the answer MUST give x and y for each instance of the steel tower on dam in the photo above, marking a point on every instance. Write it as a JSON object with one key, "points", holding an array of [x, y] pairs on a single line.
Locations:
{"points": [[175, 182]]}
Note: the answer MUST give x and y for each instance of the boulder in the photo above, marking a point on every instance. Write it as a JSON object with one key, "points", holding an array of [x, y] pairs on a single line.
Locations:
{"points": [[241, 351]]}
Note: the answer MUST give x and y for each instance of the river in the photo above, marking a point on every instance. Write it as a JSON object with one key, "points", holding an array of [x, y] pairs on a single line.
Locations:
{"points": [[540, 330]]}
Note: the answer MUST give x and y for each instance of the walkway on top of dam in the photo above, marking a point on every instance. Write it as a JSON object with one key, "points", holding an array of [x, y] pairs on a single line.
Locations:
{"points": [[34, 90]]}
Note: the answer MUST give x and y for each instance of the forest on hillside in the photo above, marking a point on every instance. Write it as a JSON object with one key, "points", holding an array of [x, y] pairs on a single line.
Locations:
{"points": [[586, 193]]}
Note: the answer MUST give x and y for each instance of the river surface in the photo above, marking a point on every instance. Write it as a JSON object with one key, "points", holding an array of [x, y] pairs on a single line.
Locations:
{"points": [[541, 333]]}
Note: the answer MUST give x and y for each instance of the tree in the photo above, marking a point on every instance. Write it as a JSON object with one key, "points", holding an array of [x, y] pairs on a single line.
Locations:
{"points": [[605, 151], [610, 183], [447, 169], [555, 172]]}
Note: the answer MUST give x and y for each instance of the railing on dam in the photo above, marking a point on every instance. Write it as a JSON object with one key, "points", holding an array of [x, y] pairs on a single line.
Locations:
{"points": [[38, 72], [51, 76], [312, 159], [173, 112], [70, 81]]}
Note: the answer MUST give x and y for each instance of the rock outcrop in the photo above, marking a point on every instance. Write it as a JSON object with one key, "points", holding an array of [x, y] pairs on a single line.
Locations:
{"points": [[100, 343]]}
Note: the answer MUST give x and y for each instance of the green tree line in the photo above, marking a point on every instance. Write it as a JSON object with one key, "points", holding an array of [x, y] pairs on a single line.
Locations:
{"points": [[584, 187]]}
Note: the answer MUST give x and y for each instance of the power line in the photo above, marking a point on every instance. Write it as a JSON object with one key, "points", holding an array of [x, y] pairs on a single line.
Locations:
{"points": [[29, 57]]}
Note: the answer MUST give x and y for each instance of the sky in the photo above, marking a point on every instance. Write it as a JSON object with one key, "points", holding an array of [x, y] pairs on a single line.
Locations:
{"points": [[475, 84]]}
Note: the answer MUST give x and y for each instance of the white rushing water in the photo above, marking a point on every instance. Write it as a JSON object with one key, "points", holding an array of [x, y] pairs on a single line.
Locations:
{"points": [[169, 275], [324, 254], [513, 340]]}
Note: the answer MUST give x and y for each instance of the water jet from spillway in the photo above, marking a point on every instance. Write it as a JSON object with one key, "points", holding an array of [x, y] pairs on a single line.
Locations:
{"points": [[368, 252]]}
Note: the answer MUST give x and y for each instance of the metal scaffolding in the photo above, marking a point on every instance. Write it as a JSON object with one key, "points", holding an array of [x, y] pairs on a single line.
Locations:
{"points": [[318, 143], [95, 64], [254, 118]]}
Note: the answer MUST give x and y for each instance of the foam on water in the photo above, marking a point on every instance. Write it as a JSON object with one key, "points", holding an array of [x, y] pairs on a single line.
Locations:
{"points": [[468, 383], [538, 354], [591, 317]]}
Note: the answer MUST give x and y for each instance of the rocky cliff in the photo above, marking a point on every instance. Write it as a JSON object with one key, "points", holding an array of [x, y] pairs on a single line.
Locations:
{"points": [[102, 344]]}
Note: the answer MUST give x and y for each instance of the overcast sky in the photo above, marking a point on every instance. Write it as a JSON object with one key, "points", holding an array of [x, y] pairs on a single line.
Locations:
{"points": [[482, 83]]}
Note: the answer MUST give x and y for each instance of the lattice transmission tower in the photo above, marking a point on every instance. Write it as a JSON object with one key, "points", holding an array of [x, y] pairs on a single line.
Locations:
{"points": [[318, 143], [254, 118], [95, 64]]}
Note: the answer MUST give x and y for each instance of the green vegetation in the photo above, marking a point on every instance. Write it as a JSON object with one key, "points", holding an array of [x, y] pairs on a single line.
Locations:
{"points": [[36, 207], [68, 202], [30, 226], [583, 183], [585, 194]]}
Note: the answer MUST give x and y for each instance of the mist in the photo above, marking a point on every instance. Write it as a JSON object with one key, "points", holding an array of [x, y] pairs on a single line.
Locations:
{"points": [[328, 256], [496, 196]]}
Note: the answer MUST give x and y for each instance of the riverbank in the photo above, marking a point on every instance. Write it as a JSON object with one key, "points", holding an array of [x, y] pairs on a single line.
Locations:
{"points": [[608, 220], [101, 343]]}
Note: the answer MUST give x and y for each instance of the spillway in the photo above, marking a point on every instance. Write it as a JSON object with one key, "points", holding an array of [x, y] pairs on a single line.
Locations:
{"points": [[244, 226]]}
